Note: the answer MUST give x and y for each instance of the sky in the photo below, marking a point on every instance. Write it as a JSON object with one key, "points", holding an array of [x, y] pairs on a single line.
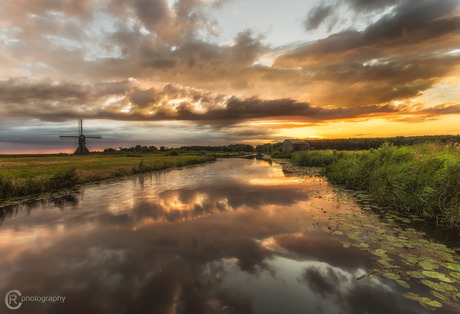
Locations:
{"points": [[216, 72]]}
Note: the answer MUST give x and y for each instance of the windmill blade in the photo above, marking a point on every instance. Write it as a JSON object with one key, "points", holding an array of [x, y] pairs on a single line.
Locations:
{"points": [[68, 136], [93, 136]]}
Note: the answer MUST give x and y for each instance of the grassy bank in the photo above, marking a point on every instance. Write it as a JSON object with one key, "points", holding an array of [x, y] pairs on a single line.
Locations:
{"points": [[422, 179], [22, 175]]}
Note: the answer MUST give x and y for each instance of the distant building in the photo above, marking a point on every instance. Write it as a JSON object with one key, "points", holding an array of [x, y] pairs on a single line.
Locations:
{"points": [[291, 145]]}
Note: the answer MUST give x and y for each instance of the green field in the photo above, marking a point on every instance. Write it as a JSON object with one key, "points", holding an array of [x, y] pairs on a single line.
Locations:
{"points": [[423, 179], [30, 174]]}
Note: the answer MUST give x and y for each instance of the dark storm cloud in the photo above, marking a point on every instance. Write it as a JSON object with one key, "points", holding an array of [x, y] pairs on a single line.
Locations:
{"points": [[413, 22], [15, 91], [317, 16], [125, 100], [402, 54], [365, 5]]}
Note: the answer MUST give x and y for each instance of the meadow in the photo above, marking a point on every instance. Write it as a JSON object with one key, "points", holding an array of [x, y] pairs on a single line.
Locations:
{"points": [[31, 174], [423, 179]]}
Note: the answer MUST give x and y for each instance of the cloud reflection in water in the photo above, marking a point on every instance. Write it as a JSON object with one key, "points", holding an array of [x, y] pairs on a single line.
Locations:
{"points": [[196, 240]]}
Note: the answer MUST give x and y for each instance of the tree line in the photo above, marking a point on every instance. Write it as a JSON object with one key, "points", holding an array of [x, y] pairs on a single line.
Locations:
{"points": [[376, 142], [196, 148], [338, 144], [364, 143]]}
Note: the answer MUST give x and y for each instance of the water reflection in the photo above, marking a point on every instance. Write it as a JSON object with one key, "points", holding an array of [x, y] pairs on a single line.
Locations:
{"points": [[235, 236]]}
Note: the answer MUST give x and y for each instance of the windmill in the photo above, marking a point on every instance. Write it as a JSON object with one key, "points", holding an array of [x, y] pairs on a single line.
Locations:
{"points": [[81, 140]]}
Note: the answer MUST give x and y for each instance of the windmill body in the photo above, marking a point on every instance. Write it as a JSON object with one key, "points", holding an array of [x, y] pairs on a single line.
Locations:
{"points": [[81, 149]]}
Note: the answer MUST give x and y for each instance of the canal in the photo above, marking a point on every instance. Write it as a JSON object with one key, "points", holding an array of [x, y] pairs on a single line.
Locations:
{"points": [[232, 236]]}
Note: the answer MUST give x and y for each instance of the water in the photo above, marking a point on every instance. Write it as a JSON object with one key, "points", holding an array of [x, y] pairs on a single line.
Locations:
{"points": [[234, 236]]}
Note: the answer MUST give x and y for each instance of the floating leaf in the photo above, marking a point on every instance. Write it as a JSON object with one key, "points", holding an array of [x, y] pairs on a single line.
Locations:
{"points": [[392, 276], [436, 275], [439, 295], [427, 265], [455, 275], [404, 284], [380, 252], [411, 296], [385, 263], [441, 287], [442, 247], [431, 303], [454, 267], [392, 239], [422, 300], [337, 233], [415, 274], [404, 244]]}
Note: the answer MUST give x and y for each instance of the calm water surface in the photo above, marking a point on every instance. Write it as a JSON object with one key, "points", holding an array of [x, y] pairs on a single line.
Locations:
{"points": [[234, 236]]}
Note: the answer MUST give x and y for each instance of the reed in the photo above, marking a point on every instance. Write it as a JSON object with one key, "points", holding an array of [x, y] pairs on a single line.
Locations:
{"points": [[422, 179], [314, 158]]}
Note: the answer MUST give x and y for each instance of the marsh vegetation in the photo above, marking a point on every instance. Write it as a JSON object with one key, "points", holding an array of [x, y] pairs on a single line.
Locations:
{"points": [[423, 179]]}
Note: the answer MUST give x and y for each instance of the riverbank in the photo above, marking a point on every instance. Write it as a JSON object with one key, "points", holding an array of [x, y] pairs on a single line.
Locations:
{"points": [[420, 179], [23, 175]]}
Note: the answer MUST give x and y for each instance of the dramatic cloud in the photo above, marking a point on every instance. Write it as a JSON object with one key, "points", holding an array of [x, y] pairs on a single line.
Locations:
{"points": [[317, 16], [157, 60]]}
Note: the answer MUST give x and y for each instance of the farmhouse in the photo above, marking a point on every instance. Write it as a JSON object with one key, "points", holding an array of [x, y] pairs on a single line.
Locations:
{"points": [[294, 145]]}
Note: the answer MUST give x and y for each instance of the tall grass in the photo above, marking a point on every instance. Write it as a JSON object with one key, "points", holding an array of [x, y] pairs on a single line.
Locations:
{"points": [[63, 179], [422, 179], [314, 158], [11, 186]]}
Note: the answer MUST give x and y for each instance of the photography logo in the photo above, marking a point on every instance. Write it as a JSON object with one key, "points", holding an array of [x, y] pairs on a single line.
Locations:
{"points": [[14, 299]]}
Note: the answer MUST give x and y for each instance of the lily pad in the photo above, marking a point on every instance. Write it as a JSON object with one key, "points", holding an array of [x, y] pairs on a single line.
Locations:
{"points": [[442, 247], [441, 287], [380, 252], [422, 300], [392, 276], [415, 274], [403, 284], [411, 296], [436, 275], [424, 241], [455, 275], [452, 266], [429, 302], [386, 264], [427, 265], [439, 295]]}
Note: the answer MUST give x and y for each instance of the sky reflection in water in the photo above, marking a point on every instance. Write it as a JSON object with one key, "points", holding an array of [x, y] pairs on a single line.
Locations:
{"points": [[235, 236]]}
